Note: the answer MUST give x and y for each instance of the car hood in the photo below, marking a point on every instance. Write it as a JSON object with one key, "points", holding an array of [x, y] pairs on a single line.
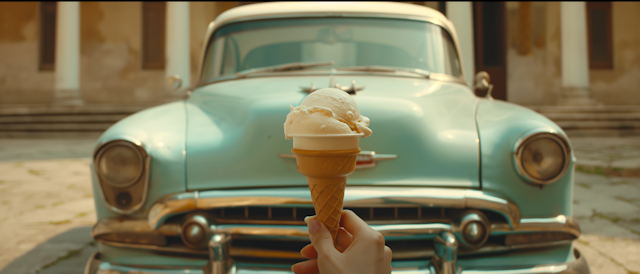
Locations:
{"points": [[235, 135]]}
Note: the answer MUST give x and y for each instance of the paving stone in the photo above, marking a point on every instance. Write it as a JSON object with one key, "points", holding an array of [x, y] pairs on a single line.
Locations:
{"points": [[54, 254], [605, 227], [622, 251], [40, 199], [597, 262]]}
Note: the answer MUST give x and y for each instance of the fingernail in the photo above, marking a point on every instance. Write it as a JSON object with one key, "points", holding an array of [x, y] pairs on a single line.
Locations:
{"points": [[313, 224]]}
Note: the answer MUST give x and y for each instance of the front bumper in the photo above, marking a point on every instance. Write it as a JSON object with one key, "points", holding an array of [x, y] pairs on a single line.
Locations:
{"points": [[264, 240], [576, 266]]}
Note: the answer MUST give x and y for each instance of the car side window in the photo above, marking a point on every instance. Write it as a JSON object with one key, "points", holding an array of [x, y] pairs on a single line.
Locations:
{"points": [[231, 57]]}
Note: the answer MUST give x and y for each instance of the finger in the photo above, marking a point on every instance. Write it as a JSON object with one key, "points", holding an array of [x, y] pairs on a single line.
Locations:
{"points": [[320, 236], [309, 252], [343, 240], [388, 256], [353, 224], [306, 267]]}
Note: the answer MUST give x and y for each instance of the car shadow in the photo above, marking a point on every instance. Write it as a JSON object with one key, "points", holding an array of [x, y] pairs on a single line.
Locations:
{"points": [[66, 252]]}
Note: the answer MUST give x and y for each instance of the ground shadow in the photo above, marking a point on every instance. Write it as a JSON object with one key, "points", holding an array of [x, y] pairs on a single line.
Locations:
{"points": [[66, 252]]}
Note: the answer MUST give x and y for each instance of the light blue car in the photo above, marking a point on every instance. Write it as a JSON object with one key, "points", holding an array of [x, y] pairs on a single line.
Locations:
{"points": [[455, 183]]}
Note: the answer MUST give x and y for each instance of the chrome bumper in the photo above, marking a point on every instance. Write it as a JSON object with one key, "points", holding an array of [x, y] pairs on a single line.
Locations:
{"points": [[97, 266], [149, 235]]}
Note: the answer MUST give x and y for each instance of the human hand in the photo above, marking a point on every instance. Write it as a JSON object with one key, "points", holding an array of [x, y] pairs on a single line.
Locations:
{"points": [[364, 249]]}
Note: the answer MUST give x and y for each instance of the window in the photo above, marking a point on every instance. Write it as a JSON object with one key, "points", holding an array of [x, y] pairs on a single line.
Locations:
{"points": [[153, 33], [600, 35], [47, 35]]}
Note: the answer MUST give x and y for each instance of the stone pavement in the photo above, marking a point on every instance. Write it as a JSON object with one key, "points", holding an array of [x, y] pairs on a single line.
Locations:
{"points": [[47, 210]]}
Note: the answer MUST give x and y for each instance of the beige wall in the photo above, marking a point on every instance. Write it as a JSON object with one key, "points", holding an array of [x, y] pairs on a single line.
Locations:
{"points": [[534, 78], [19, 53], [621, 85], [202, 13], [110, 54], [111, 70]]}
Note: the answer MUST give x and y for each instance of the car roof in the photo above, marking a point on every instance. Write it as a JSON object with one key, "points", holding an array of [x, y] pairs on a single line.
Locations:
{"points": [[287, 9]]}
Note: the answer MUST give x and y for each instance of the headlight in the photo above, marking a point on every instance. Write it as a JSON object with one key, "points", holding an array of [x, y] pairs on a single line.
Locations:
{"points": [[122, 169], [120, 165], [541, 158]]}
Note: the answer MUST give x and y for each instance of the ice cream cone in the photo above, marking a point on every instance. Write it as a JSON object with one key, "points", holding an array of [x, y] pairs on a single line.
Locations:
{"points": [[327, 172]]}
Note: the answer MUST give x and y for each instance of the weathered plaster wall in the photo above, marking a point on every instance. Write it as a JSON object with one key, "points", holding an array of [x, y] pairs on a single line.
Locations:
{"points": [[111, 69], [202, 13], [533, 60], [534, 78], [621, 85], [20, 79], [110, 54]]}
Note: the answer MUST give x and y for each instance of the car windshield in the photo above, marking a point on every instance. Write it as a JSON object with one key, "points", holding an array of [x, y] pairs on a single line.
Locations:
{"points": [[336, 42]]}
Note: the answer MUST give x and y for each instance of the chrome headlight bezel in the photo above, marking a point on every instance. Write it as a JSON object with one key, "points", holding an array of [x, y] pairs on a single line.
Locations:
{"points": [[101, 153], [532, 136], [137, 188]]}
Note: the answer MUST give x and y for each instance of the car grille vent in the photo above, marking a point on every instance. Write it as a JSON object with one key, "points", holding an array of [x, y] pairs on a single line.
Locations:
{"points": [[370, 214]]}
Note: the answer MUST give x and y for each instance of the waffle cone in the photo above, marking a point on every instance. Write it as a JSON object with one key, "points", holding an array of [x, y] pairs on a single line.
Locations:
{"points": [[327, 172]]}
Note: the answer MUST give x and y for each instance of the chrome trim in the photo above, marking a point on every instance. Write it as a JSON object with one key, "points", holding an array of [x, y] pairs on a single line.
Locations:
{"points": [[364, 153], [446, 254], [279, 254], [115, 225], [532, 135], [100, 152], [354, 196], [219, 255], [300, 232], [201, 221], [433, 76], [559, 223], [144, 177], [471, 218], [353, 89], [578, 266]]}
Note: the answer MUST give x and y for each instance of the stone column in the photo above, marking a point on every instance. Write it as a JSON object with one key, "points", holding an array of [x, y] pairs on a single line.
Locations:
{"points": [[177, 43], [461, 15], [574, 54], [67, 64]]}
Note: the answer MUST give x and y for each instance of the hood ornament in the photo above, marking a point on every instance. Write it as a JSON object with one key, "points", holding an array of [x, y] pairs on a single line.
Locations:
{"points": [[332, 84]]}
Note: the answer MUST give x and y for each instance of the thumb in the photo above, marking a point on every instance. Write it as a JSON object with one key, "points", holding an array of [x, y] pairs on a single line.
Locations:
{"points": [[320, 236]]}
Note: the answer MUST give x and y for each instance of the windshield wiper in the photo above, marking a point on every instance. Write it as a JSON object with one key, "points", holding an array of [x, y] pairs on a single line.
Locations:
{"points": [[284, 67], [386, 69]]}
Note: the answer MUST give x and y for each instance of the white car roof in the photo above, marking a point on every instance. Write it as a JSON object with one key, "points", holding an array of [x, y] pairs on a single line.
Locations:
{"points": [[286, 9]]}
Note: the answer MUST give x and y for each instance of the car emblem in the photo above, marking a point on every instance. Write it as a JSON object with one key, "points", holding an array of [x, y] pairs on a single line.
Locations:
{"points": [[332, 84], [366, 159]]}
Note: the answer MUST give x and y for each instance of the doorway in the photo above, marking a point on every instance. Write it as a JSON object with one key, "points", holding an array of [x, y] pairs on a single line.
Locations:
{"points": [[490, 45]]}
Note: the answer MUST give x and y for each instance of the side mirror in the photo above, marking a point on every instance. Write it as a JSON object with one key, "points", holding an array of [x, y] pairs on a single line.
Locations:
{"points": [[175, 81], [482, 81]]}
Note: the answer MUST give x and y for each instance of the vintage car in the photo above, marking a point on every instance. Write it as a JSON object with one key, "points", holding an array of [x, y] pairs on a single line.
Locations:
{"points": [[456, 183]]}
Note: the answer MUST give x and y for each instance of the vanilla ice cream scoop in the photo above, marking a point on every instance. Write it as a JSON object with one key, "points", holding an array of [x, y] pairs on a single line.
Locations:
{"points": [[326, 111]]}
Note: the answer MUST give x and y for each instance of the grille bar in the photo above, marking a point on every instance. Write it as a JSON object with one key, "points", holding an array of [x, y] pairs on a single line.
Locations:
{"points": [[282, 214]]}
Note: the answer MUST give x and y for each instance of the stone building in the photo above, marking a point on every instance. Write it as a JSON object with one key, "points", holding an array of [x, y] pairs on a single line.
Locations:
{"points": [[576, 62]]}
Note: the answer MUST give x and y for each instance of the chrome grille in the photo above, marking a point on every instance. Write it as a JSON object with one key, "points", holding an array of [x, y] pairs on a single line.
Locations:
{"points": [[296, 214]]}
